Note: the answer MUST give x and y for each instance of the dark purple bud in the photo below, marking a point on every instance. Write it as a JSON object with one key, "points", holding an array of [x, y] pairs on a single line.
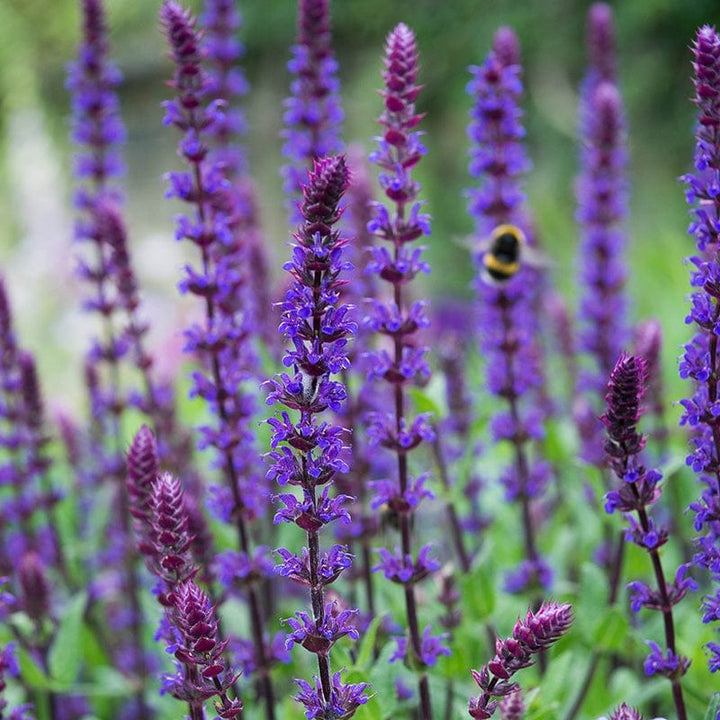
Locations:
{"points": [[506, 46], [625, 392], [35, 591], [601, 40]]}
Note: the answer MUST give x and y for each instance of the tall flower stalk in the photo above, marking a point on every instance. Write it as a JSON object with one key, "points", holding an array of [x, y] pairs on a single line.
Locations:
{"points": [[221, 340], [507, 322], [601, 191], [307, 452], [189, 626], [639, 489], [313, 114], [401, 362], [700, 360]]}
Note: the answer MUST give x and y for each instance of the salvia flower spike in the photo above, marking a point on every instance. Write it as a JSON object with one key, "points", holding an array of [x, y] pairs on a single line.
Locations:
{"points": [[308, 452], [699, 361], [397, 262], [507, 323], [639, 489], [531, 635], [313, 114], [221, 340]]}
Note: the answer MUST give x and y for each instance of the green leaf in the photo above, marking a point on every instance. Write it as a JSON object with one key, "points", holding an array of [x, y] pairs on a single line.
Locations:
{"points": [[713, 707], [32, 674], [367, 645], [64, 656], [478, 592], [371, 710], [423, 402], [382, 677], [611, 633]]}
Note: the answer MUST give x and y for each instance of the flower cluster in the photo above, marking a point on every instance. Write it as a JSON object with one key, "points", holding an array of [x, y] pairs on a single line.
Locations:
{"points": [[401, 360], [189, 627], [507, 320], [313, 114], [601, 192], [537, 632], [638, 491], [222, 341], [699, 361], [307, 453]]}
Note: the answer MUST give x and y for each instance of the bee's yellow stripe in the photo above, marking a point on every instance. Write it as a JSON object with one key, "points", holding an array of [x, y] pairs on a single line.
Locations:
{"points": [[506, 268]]}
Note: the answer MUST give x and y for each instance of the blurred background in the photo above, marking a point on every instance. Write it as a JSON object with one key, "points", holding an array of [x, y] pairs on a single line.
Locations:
{"points": [[39, 37]]}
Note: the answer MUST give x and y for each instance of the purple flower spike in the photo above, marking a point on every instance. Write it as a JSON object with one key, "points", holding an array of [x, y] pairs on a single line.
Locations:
{"points": [[308, 452], [537, 632], [200, 652], [395, 226], [222, 339], [313, 114], [699, 361], [638, 490], [602, 206], [97, 126], [507, 320]]}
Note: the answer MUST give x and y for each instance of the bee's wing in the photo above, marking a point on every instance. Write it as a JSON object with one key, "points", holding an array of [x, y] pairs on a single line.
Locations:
{"points": [[473, 243], [536, 258]]}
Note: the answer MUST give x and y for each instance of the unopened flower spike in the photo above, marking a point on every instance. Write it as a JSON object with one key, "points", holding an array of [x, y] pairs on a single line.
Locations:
{"points": [[531, 635]]}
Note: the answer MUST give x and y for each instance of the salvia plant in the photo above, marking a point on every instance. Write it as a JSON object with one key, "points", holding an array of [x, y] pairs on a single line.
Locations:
{"points": [[355, 498]]}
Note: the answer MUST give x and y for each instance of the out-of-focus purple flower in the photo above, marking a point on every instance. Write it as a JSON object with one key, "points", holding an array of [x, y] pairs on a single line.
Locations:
{"points": [[313, 114], [9, 667], [602, 206], [308, 452], [431, 648], [222, 339], [507, 320], [512, 706], [97, 126], [537, 632]]}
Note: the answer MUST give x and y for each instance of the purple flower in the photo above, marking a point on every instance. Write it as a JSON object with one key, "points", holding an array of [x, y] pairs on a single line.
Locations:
{"points": [[313, 114], [512, 706], [602, 206], [537, 632], [200, 652], [507, 320], [638, 490], [431, 648], [222, 339], [344, 699], [308, 452], [395, 226], [699, 361]]}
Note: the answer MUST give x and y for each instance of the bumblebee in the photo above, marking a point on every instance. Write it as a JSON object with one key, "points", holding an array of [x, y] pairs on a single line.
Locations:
{"points": [[503, 254]]}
